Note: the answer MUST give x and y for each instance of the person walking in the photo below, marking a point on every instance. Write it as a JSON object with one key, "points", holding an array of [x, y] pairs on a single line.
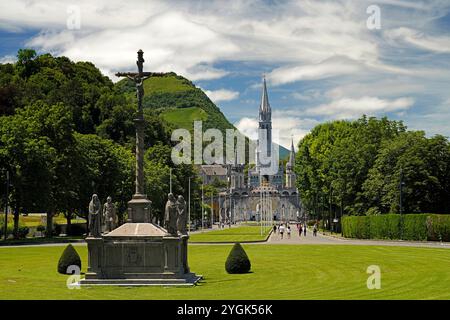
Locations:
{"points": [[315, 230], [281, 229], [289, 232], [275, 229], [304, 230]]}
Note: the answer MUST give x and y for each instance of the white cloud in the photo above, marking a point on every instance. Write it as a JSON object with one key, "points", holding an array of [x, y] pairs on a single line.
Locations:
{"points": [[347, 108], [171, 42], [221, 95], [8, 59], [321, 70], [440, 44], [286, 125], [248, 126]]}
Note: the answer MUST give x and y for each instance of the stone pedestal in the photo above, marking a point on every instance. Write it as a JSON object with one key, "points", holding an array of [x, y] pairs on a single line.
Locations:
{"points": [[138, 254], [139, 209]]}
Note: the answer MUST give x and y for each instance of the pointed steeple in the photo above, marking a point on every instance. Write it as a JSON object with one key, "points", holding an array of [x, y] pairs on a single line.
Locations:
{"points": [[291, 161], [264, 108]]}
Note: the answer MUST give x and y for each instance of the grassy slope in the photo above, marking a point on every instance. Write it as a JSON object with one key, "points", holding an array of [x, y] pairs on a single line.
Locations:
{"points": [[279, 272], [164, 94], [245, 233], [184, 117]]}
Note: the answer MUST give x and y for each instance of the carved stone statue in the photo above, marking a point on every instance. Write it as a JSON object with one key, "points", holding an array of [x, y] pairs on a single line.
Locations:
{"points": [[182, 216], [171, 215], [109, 215], [95, 211]]}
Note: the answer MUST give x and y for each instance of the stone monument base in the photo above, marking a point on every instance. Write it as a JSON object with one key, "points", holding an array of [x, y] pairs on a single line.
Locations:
{"points": [[138, 254]]}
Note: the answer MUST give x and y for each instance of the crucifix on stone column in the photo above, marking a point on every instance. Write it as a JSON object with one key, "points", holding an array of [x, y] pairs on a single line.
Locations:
{"points": [[139, 206]]}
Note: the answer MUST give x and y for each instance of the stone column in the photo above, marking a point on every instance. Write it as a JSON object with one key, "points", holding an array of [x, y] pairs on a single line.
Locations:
{"points": [[139, 122], [139, 208]]}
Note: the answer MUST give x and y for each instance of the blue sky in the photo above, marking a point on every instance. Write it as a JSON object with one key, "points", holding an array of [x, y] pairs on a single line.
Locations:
{"points": [[321, 60]]}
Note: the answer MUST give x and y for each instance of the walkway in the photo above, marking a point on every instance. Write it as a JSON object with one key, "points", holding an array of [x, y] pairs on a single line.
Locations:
{"points": [[295, 239]]}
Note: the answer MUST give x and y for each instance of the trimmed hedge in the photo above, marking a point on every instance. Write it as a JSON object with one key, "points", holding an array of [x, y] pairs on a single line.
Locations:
{"points": [[416, 227], [237, 261], [438, 227], [68, 258]]}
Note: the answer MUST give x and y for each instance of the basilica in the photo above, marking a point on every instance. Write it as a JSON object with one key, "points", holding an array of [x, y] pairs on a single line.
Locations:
{"points": [[267, 191]]}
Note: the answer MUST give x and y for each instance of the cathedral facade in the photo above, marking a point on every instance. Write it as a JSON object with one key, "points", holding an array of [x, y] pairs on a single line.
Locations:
{"points": [[268, 190]]}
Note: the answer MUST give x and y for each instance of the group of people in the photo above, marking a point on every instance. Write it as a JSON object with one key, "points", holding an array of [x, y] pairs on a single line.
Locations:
{"points": [[282, 229]]}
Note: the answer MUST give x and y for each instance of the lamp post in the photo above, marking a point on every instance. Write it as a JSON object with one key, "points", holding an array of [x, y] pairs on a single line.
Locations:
{"points": [[203, 211], [7, 206], [401, 190], [189, 206], [212, 210], [170, 180]]}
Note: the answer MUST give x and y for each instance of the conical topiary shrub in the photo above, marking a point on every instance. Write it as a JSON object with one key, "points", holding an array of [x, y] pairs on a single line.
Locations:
{"points": [[68, 258], [237, 261]]}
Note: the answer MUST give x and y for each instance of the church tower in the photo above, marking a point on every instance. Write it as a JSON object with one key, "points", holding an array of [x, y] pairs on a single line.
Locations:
{"points": [[290, 174], [264, 147]]}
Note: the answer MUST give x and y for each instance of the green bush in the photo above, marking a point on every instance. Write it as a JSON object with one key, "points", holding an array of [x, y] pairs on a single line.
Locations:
{"points": [[386, 226], [68, 258], [438, 227], [414, 227], [237, 261], [22, 232]]}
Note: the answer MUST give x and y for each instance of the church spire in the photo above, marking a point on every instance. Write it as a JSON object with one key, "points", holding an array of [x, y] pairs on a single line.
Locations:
{"points": [[291, 161], [264, 109]]}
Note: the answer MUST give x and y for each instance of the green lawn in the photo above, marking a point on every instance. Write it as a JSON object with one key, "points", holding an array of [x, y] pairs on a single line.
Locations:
{"points": [[167, 84], [279, 272], [35, 220], [184, 117], [237, 234]]}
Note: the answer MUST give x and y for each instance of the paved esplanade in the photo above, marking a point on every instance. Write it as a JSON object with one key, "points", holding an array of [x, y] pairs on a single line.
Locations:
{"points": [[275, 238], [295, 239]]}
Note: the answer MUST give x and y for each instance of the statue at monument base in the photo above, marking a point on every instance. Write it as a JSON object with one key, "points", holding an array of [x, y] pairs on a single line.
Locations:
{"points": [[142, 253]]}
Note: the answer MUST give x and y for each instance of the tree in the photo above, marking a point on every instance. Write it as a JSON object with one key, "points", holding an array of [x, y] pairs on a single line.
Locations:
{"points": [[424, 163], [106, 168], [29, 159]]}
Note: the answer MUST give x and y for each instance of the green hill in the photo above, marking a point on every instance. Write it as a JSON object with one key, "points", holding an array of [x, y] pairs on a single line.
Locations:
{"points": [[166, 95]]}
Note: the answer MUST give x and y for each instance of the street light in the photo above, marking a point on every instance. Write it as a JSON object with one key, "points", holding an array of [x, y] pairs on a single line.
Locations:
{"points": [[401, 190], [189, 206], [7, 206]]}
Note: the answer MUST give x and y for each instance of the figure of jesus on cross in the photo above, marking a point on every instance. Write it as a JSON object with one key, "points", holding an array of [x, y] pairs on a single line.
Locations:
{"points": [[139, 77], [139, 206]]}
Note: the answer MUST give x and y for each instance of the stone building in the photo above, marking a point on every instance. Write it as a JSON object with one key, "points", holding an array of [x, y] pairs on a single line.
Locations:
{"points": [[265, 191]]}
